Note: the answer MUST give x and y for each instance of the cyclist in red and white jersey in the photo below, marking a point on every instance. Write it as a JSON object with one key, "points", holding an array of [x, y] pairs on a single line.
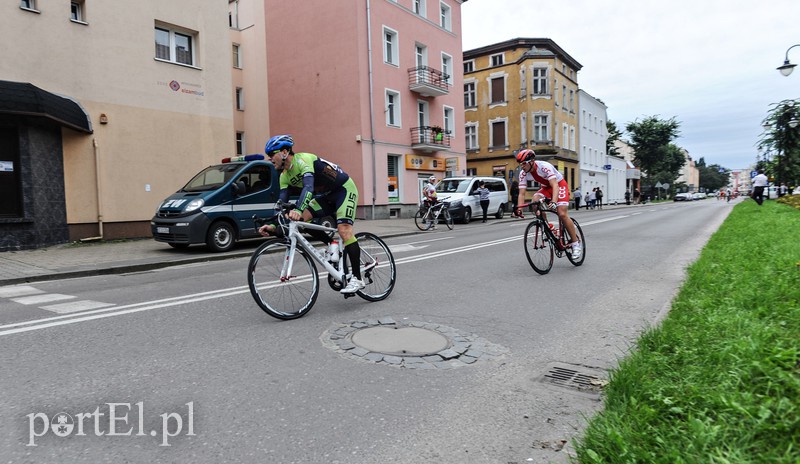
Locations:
{"points": [[552, 182]]}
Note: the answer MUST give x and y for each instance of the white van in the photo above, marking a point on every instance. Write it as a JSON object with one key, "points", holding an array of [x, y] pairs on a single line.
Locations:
{"points": [[465, 202]]}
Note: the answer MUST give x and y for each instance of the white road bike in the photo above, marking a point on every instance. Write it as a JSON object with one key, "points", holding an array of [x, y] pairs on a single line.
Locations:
{"points": [[283, 277]]}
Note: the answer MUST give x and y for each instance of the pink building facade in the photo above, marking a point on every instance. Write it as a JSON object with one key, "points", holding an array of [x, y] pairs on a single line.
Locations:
{"points": [[375, 86]]}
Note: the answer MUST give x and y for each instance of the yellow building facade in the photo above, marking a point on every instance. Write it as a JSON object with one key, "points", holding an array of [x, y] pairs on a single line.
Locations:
{"points": [[521, 93]]}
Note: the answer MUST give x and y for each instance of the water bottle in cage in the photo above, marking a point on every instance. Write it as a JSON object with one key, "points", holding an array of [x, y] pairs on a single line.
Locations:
{"points": [[333, 251]]}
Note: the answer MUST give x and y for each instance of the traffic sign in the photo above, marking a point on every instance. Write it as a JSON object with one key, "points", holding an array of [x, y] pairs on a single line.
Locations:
{"points": [[753, 174]]}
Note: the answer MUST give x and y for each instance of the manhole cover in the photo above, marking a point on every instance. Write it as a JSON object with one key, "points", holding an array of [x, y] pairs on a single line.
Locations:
{"points": [[400, 341], [409, 344]]}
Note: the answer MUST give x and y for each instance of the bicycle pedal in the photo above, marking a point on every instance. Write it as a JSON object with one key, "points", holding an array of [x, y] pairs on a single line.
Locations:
{"points": [[349, 295]]}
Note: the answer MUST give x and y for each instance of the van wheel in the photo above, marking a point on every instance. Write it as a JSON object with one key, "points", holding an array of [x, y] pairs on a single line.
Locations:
{"points": [[220, 237], [467, 215], [500, 211]]}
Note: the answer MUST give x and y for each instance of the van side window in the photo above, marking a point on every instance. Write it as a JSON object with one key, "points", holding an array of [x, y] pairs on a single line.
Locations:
{"points": [[260, 178]]}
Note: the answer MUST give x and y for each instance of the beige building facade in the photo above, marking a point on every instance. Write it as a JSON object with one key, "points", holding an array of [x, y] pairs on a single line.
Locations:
{"points": [[521, 93], [154, 81]]}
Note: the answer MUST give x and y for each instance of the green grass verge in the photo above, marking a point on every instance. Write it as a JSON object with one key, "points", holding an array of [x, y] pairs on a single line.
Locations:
{"points": [[719, 380]]}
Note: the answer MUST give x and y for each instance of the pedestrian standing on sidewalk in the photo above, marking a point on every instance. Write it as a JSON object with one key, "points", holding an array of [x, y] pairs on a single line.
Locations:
{"points": [[577, 195], [637, 196], [593, 198], [599, 196], [760, 182], [586, 200], [484, 193], [514, 194], [627, 197]]}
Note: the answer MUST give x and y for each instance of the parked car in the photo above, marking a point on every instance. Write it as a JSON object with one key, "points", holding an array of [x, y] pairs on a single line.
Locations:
{"points": [[465, 201], [685, 196], [217, 205]]}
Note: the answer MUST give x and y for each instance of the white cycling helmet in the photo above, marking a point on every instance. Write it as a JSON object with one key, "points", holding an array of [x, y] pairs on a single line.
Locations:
{"points": [[431, 179]]}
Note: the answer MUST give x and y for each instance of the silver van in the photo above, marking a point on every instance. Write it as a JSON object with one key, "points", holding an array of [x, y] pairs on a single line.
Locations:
{"points": [[464, 201]]}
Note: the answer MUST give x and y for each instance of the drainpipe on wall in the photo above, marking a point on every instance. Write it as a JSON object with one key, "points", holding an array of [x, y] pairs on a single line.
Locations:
{"points": [[371, 110], [99, 191]]}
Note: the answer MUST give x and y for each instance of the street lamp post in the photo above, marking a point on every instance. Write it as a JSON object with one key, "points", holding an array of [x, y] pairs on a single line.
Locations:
{"points": [[787, 67]]}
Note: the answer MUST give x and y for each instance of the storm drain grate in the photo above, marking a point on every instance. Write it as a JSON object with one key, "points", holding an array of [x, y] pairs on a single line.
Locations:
{"points": [[579, 378]]}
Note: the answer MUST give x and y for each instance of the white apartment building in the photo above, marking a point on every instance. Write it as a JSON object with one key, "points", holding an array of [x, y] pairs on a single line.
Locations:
{"points": [[597, 167]]}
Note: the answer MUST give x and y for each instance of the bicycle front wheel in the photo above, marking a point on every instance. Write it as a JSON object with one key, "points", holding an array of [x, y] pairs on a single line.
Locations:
{"points": [[538, 247], [447, 218], [421, 219], [378, 270], [579, 231], [287, 298]]}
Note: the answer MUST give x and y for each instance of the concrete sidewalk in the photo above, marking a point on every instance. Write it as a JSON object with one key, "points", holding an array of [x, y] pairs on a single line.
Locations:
{"points": [[115, 257]]}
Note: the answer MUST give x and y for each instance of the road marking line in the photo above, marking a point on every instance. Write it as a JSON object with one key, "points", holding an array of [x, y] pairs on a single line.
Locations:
{"points": [[75, 306], [102, 313], [18, 290], [39, 299]]}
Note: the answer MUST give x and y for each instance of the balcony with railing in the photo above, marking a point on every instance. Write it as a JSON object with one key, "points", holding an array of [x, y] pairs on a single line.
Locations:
{"points": [[428, 82], [429, 138]]}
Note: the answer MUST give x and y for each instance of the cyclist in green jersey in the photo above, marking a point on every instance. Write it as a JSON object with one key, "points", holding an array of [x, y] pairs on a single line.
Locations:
{"points": [[337, 194]]}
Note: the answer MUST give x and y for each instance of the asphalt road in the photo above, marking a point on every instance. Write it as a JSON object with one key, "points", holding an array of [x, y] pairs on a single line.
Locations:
{"points": [[185, 351]]}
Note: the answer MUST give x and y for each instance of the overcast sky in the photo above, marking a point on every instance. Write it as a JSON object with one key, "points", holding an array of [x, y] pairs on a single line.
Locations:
{"points": [[708, 63]]}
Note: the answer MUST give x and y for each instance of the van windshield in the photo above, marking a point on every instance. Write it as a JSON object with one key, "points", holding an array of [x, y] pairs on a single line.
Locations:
{"points": [[211, 178], [452, 186]]}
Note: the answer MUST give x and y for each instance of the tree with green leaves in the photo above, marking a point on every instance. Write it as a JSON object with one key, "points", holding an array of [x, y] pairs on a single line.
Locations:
{"points": [[651, 139], [712, 177], [780, 142], [614, 134]]}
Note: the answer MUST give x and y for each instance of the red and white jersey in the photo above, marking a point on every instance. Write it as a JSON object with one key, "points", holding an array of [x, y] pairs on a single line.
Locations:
{"points": [[542, 172]]}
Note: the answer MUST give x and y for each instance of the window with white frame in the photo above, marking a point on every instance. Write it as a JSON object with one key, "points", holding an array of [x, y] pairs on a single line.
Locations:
{"points": [[523, 82], [421, 59], [390, 47], [564, 135], [540, 128], [392, 108], [497, 85], [572, 101], [469, 95], [572, 138], [419, 7], [445, 16], [469, 66], [555, 92], [76, 12], [447, 67], [237, 56], [471, 136], [239, 99], [233, 14], [240, 148], [540, 81], [583, 118], [449, 120], [28, 5], [497, 60], [523, 127], [175, 46], [498, 133], [564, 97]]}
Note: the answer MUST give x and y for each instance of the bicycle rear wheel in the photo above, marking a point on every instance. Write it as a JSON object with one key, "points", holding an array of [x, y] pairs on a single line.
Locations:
{"points": [[287, 299], [447, 218], [378, 270], [567, 239], [538, 247], [421, 219]]}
